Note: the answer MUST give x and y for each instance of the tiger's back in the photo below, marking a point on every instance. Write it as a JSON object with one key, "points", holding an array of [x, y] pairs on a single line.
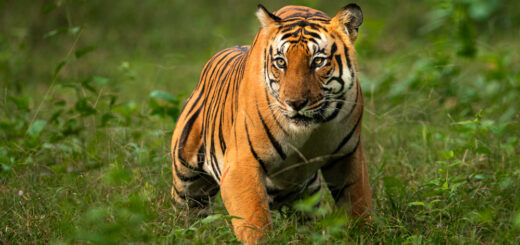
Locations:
{"points": [[199, 139]]}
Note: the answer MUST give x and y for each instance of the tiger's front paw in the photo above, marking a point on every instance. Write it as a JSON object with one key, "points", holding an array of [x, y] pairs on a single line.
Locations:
{"points": [[250, 234]]}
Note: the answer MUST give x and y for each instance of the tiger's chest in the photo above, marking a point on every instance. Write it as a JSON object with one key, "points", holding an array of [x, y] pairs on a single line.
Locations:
{"points": [[307, 153]]}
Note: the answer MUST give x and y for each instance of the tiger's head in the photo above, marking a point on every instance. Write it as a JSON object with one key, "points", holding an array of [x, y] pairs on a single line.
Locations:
{"points": [[308, 61]]}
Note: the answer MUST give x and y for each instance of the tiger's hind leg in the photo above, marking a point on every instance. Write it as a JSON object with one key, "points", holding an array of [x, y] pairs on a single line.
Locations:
{"points": [[193, 189], [195, 197]]}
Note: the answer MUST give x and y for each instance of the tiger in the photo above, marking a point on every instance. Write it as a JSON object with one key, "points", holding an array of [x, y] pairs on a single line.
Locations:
{"points": [[265, 120]]}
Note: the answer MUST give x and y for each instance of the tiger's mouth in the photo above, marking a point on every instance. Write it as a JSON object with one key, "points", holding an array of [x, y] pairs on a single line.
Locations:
{"points": [[313, 115], [305, 118], [301, 120]]}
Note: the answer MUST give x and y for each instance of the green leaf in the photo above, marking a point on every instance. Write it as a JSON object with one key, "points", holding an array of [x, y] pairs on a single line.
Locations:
{"points": [[59, 67], [212, 218], [79, 53], [308, 204], [480, 176], [86, 84], [55, 116], [106, 118], [416, 204], [5, 167], [483, 150], [83, 107], [100, 80], [49, 7], [56, 32], [60, 103], [21, 103], [444, 186], [163, 95], [74, 30], [447, 154], [36, 128]]}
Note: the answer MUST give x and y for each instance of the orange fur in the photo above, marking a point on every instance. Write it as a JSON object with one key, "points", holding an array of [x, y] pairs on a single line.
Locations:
{"points": [[263, 120]]}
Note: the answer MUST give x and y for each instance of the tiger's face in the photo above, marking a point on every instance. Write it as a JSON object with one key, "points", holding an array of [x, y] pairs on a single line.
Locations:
{"points": [[308, 63]]}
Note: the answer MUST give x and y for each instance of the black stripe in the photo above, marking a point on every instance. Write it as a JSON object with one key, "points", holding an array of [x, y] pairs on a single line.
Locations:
{"points": [[214, 191], [313, 34], [339, 78], [218, 77], [349, 67], [333, 50], [201, 92], [299, 23], [231, 81], [349, 135], [339, 105], [224, 73], [193, 201], [220, 101], [315, 42], [253, 150], [307, 15], [206, 68], [273, 140], [221, 75], [272, 113], [314, 178], [347, 57], [316, 27], [337, 193], [340, 65], [318, 188], [183, 177], [287, 35], [241, 75], [232, 77], [217, 67], [236, 80], [333, 163], [281, 199], [254, 41], [221, 137], [179, 194], [184, 135], [217, 59], [353, 106], [214, 166], [272, 191], [201, 155]]}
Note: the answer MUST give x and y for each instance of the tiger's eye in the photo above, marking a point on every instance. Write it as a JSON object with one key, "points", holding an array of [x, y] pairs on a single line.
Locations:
{"points": [[280, 62], [318, 61]]}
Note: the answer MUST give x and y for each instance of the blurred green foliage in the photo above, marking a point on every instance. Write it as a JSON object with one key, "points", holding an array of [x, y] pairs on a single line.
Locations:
{"points": [[90, 91]]}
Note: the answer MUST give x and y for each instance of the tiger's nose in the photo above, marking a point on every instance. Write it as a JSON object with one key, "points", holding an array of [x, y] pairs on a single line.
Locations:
{"points": [[297, 104]]}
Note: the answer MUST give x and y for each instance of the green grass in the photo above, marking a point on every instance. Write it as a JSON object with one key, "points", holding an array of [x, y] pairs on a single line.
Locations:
{"points": [[90, 91]]}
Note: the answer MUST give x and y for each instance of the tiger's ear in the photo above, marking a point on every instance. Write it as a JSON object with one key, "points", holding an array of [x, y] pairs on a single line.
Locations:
{"points": [[348, 19], [267, 18]]}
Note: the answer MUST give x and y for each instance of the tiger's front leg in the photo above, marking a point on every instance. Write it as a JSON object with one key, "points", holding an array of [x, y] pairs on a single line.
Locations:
{"points": [[347, 179], [244, 195]]}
